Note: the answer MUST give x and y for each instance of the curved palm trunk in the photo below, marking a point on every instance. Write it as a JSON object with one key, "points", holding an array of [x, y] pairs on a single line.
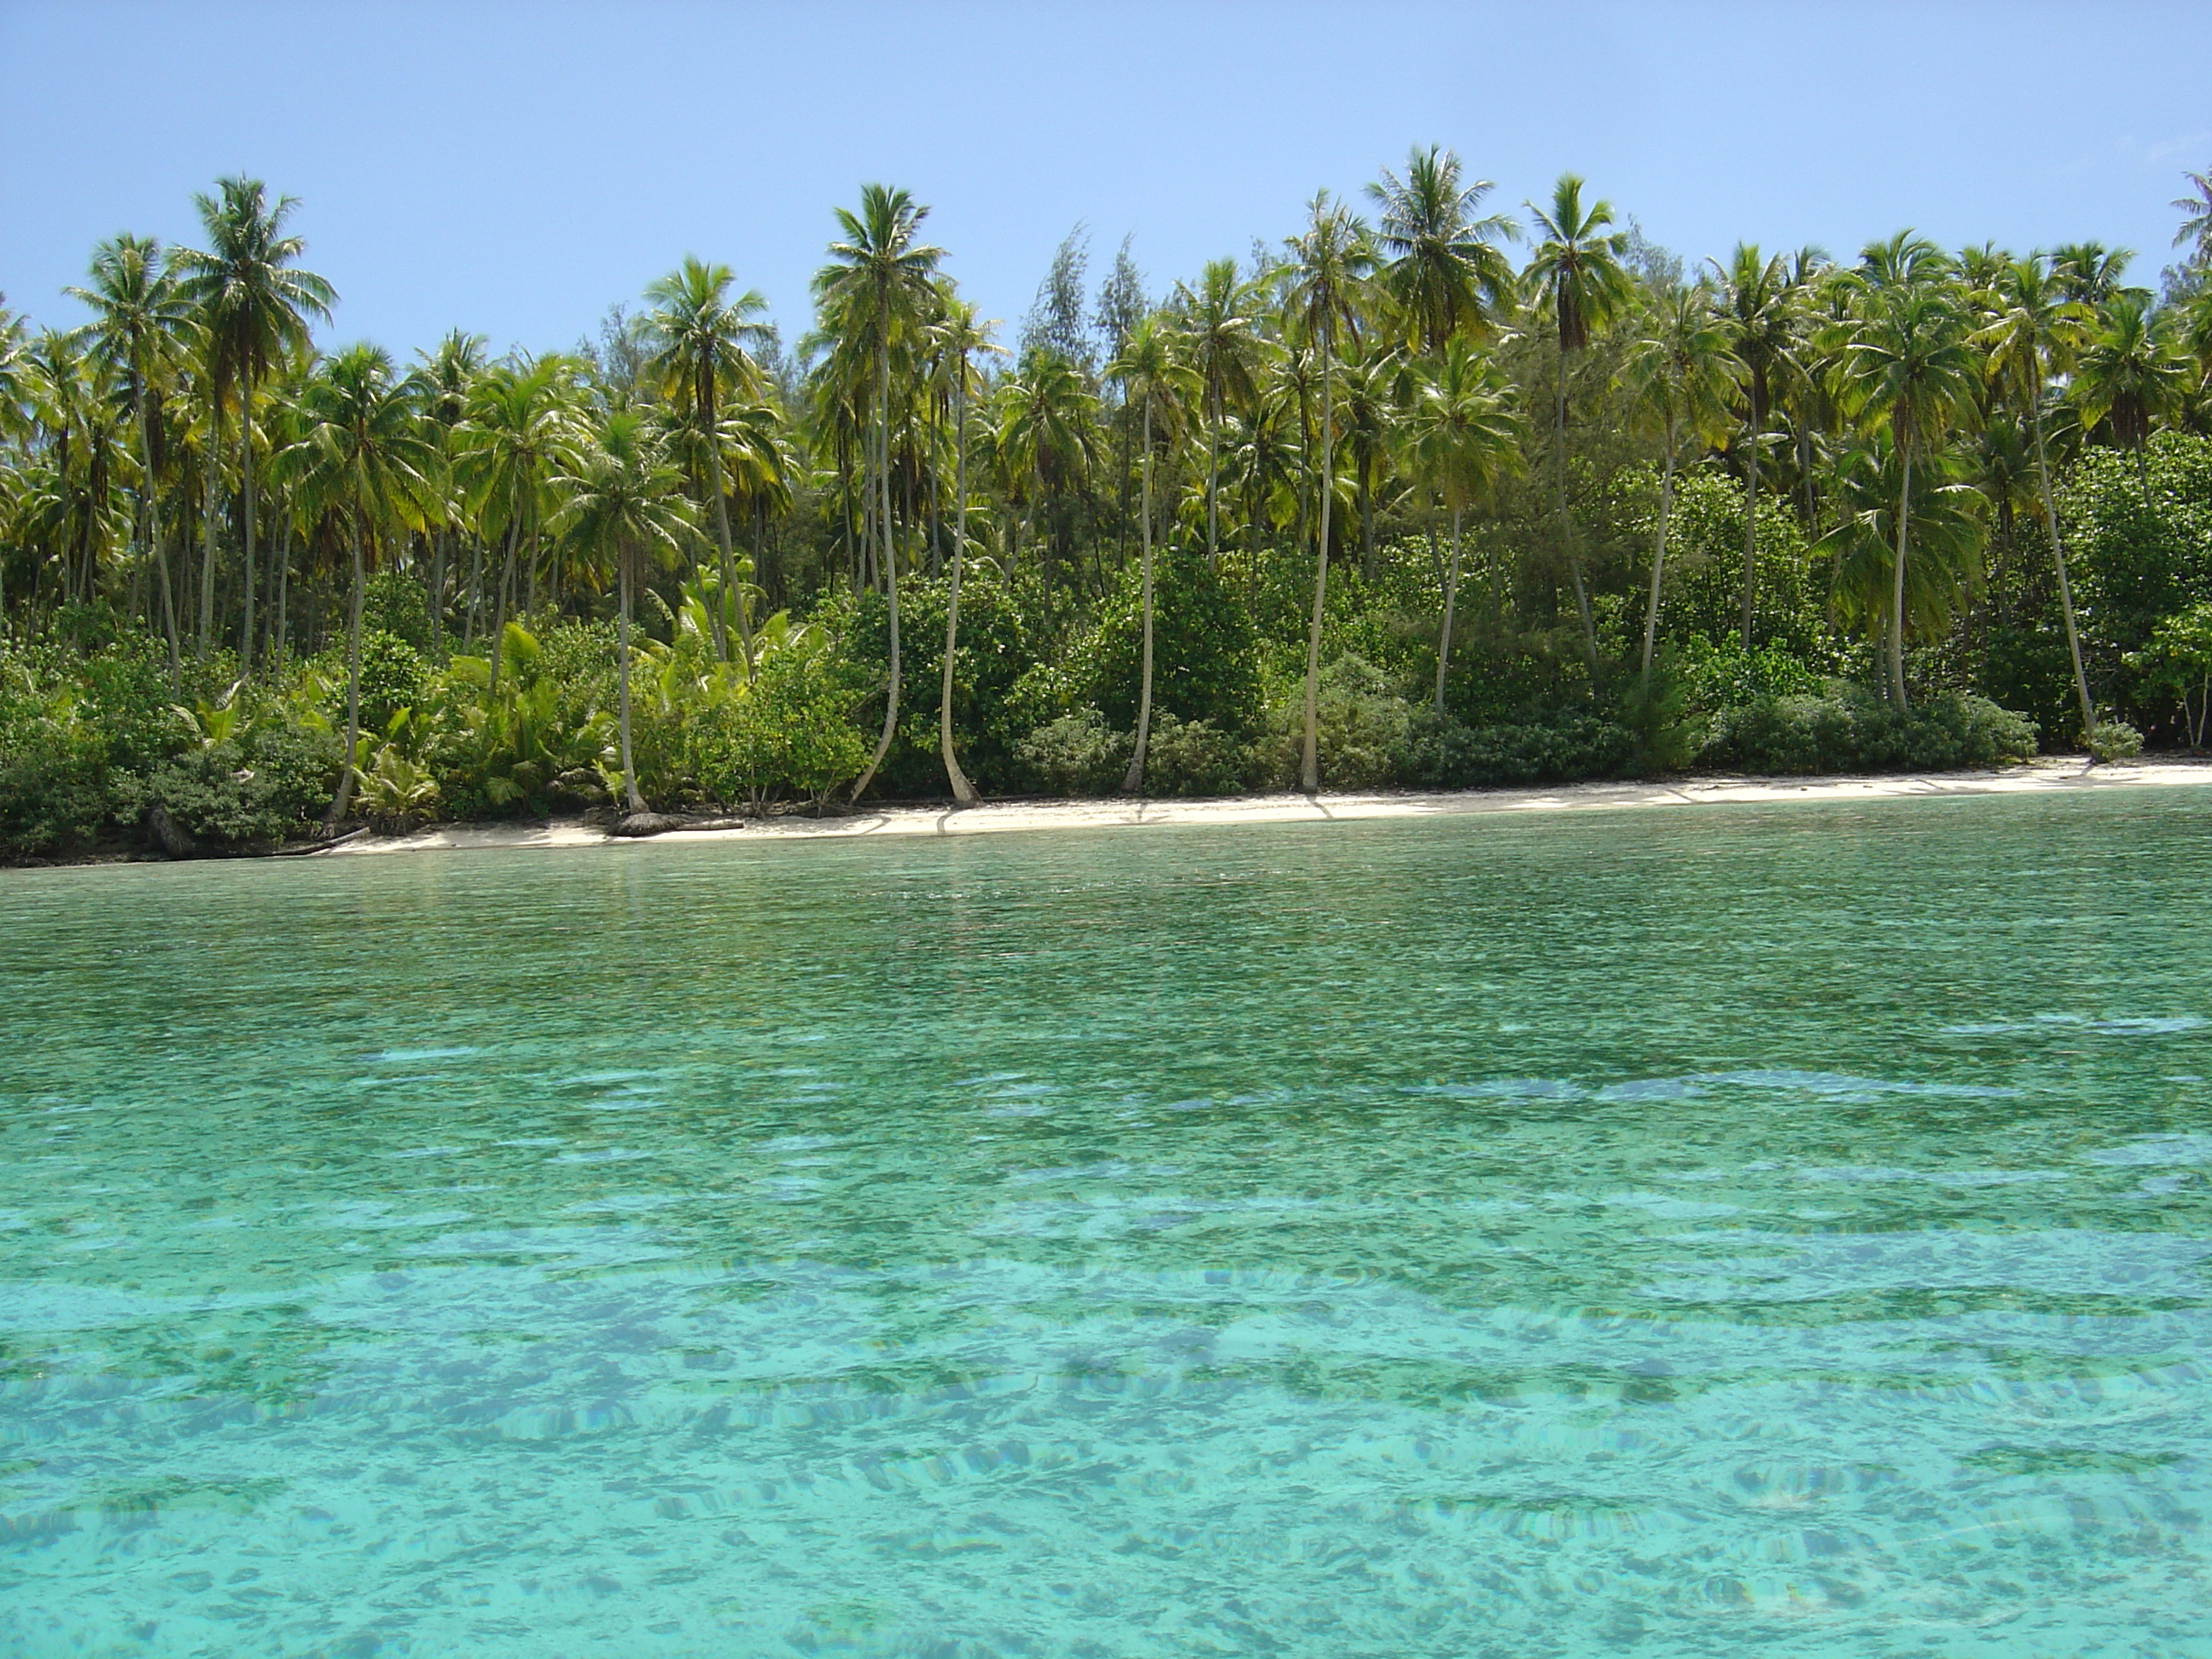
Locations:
{"points": [[889, 555], [2065, 588], [1567, 523], [1897, 601], [1309, 751], [1659, 556], [210, 488], [962, 790], [636, 801], [1213, 482], [729, 593], [1134, 780], [343, 798], [1750, 532], [1451, 607]]}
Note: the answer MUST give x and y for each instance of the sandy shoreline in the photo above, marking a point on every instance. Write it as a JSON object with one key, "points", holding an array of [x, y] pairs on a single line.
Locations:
{"points": [[2035, 777]]}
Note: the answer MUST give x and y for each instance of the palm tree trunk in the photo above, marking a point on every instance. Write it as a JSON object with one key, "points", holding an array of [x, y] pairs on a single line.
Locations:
{"points": [[437, 596], [246, 494], [1134, 780], [499, 604], [636, 801], [2065, 588], [1451, 607], [1659, 556], [962, 790], [153, 536], [1213, 483], [343, 798], [1567, 524], [1897, 602], [212, 484], [1750, 532], [889, 557], [283, 584], [729, 564], [1309, 751]]}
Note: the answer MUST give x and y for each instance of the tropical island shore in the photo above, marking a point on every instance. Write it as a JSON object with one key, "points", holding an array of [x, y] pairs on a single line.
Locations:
{"points": [[2059, 775]]}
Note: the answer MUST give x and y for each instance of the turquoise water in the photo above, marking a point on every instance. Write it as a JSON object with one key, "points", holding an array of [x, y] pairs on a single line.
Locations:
{"points": [[1711, 1231]]}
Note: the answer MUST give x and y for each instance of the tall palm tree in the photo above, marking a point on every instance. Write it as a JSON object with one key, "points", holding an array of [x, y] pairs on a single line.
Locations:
{"points": [[1577, 276], [1444, 274], [1220, 329], [700, 332], [1152, 370], [143, 324], [955, 339], [362, 452], [442, 383], [2129, 374], [1462, 434], [877, 287], [623, 501], [1048, 434], [1756, 314], [1329, 267], [523, 422], [2196, 208], [2032, 336], [256, 307], [1910, 369], [1683, 376]]}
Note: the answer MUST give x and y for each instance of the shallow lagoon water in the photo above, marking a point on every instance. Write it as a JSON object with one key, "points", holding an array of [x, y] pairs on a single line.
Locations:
{"points": [[1741, 1230]]}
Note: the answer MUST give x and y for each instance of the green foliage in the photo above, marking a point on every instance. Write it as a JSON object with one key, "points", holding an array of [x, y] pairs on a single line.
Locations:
{"points": [[1363, 728], [1441, 753], [1079, 753], [392, 602], [1205, 651], [789, 734], [2177, 662], [393, 676], [2139, 530], [267, 783], [2115, 740], [1196, 757], [1847, 729]]}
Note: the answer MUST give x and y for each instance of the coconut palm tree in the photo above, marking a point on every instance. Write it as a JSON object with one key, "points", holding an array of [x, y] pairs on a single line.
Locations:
{"points": [[1755, 309], [524, 419], [1940, 514], [144, 326], [441, 384], [1909, 370], [363, 454], [1156, 378], [2129, 376], [1463, 435], [701, 333], [1577, 276], [1683, 375], [2032, 336], [1328, 265], [955, 339], [622, 502], [877, 289], [256, 309], [1219, 324], [1444, 273]]}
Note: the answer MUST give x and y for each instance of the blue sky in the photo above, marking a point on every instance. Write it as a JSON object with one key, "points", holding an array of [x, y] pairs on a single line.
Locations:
{"points": [[516, 169]]}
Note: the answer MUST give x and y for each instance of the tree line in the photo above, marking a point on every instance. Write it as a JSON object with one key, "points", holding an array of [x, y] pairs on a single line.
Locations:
{"points": [[1410, 476]]}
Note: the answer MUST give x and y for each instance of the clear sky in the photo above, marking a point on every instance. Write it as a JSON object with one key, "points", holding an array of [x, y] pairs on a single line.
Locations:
{"points": [[515, 168]]}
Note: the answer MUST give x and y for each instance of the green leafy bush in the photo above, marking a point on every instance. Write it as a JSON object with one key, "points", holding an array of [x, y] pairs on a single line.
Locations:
{"points": [[1848, 729], [262, 786], [791, 734], [2115, 740], [1361, 728], [1441, 753], [1078, 754], [1196, 757]]}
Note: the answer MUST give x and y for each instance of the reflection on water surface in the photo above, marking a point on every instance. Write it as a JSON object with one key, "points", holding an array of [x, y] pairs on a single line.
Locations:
{"points": [[1771, 1229]]}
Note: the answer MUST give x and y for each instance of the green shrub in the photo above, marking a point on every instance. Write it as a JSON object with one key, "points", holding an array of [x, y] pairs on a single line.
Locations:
{"points": [[790, 734], [1848, 729], [1205, 652], [1361, 728], [1441, 753], [260, 788], [53, 791], [1078, 754], [1196, 757], [2115, 740]]}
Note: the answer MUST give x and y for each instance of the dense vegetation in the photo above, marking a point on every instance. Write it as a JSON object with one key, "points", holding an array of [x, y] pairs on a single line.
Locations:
{"points": [[1383, 505]]}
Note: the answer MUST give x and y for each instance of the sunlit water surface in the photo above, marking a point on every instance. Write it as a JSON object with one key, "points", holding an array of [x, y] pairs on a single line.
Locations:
{"points": [[1711, 1231]]}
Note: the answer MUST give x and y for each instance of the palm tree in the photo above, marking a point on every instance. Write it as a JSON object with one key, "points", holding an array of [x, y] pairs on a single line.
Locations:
{"points": [[1910, 369], [623, 502], [1156, 379], [523, 424], [1755, 312], [1048, 433], [363, 454], [1444, 274], [955, 338], [1328, 265], [1946, 514], [2032, 338], [442, 383], [143, 324], [2196, 208], [877, 289], [2088, 273], [2129, 376], [1222, 340], [255, 308], [1578, 275], [1682, 373], [1462, 434], [701, 333]]}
